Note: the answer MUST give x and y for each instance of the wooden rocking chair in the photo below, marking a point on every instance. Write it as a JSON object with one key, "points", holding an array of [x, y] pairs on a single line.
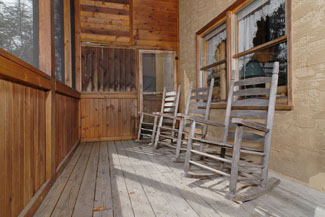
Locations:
{"points": [[197, 106], [169, 105], [236, 166]]}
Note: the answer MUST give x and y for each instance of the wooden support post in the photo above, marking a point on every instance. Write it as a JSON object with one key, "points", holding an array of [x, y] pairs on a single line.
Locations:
{"points": [[77, 44], [67, 43], [46, 63]]}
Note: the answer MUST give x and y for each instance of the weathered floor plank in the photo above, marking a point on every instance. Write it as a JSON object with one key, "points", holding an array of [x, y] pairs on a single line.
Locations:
{"points": [[50, 201], [141, 205], [67, 200], [121, 198], [162, 195], [85, 199], [129, 179], [103, 194]]}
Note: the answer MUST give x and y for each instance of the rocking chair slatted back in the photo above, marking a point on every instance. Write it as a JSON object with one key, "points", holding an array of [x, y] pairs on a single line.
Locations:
{"points": [[169, 105]]}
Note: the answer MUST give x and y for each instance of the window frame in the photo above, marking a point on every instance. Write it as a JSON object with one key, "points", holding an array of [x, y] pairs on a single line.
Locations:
{"points": [[232, 55]]}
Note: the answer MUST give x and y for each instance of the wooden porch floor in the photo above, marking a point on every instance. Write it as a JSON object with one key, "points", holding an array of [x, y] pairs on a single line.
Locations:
{"points": [[129, 179]]}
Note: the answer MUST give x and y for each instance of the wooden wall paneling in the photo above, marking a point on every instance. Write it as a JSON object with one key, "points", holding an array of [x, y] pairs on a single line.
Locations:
{"points": [[133, 70], [122, 70], [93, 71], [105, 65], [108, 118], [111, 68], [66, 129], [155, 24], [100, 79], [105, 21], [22, 145], [99, 124], [116, 69]]}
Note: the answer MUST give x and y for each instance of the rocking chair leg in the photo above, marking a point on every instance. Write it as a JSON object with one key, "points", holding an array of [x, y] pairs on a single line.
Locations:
{"points": [[266, 160], [154, 130], [140, 126], [158, 132], [235, 162], [189, 148], [179, 139]]}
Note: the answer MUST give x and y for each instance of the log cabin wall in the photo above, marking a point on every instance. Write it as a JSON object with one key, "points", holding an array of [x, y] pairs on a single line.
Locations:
{"points": [[25, 120], [112, 32]]}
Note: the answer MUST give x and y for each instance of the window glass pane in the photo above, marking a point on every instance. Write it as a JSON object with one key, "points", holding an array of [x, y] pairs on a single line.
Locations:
{"points": [[260, 22], [220, 82], [215, 46], [59, 39], [158, 71], [19, 29], [261, 64]]}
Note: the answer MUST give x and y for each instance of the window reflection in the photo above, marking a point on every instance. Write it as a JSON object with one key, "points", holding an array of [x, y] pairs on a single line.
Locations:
{"points": [[19, 29]]}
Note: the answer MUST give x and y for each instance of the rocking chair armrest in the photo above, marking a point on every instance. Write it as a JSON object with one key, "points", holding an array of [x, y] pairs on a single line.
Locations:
{"points": [[250, 124], [148, 114], [207, 122], [167, 116], [181, 115]]}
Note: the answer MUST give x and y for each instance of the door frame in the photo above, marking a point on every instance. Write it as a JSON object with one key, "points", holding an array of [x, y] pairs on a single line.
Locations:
{"points": [[140, 78]]}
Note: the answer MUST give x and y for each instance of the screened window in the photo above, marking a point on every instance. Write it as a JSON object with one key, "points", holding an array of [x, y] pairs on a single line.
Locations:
{"points": [[213, 60], [19, 29]]}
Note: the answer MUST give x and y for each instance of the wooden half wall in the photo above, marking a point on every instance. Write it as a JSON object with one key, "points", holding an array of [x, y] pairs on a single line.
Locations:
{"points": [[27, 156], [108, 116]]}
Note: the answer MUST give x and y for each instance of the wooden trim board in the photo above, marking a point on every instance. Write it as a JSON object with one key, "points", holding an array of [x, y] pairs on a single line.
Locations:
{"points": [[102, 139]]}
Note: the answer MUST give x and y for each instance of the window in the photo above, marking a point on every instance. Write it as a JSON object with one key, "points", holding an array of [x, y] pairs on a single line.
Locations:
{"points": [[259, 37], [262, 25], [19, 29], [213, 60], [158, 71]]}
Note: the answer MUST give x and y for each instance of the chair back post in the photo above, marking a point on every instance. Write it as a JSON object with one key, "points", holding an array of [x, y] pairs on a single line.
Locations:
{"points": [[176, 105], [207, 109], [269, 123], [188, 99], [163, 101], [228, 111], [177, 99]]}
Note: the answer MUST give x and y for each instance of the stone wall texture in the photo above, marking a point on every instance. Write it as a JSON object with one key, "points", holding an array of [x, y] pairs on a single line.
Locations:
{"points": [[298, 142]]}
